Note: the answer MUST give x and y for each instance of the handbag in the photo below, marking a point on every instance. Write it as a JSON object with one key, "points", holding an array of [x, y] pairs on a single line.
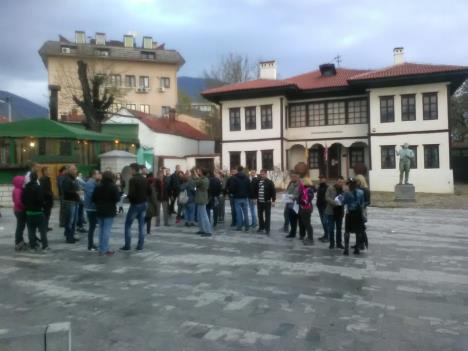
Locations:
{"points": [[183, 198]]}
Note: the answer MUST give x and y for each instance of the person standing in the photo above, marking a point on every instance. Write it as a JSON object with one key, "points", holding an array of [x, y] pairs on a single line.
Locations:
{"points": [[71, 200], [62, 212], [214, 191], [105, 197], [253, 198], [174, 189], [266, 196], [322, 205], [222, 203], [152, 202], [138, 193], [20, 213], [90, 207], [240, 190], [46, 187], [306, 195], [161, 188], [292, 206], [201, 200], [189, 187], [335, 213], [353, 199], [362, 184], [229, 193], [33, 201], [80, 220]]}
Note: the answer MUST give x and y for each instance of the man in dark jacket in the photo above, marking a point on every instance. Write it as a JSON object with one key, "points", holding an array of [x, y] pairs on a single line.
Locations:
{"points": [[265, 194], [214, 191], [46, 187], [322, 205], [138, 193], [71, 200], [253, 198], [228, 191], [60, 177], [33, 201], [174, 188], [240, 189]]}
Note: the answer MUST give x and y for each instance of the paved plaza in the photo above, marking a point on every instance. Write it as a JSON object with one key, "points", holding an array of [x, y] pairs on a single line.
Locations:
{"points": [[245, 291]]}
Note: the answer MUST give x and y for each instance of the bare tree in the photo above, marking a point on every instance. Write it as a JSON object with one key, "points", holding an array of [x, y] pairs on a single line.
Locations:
{"points": [[459, 113], [231, 68], [96, 100]]}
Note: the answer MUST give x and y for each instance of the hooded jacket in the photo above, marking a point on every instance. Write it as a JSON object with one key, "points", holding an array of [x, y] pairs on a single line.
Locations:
{"points": [[17, 193], [240, 186]]}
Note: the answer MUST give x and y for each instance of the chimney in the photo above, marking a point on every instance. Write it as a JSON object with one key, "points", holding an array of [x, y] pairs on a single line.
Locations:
{"points": [[80, 37], [129, 41], [268, 69], [53, 102], [100, 38], [327, 70], [147, 43], [398, 56]]}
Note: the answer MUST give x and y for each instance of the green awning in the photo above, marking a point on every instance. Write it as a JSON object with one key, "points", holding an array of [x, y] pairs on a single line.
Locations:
{"points": [[46, 128]]}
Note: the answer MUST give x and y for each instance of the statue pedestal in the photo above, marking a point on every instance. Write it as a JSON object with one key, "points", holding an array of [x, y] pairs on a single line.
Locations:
{"points": [[405, 192]]}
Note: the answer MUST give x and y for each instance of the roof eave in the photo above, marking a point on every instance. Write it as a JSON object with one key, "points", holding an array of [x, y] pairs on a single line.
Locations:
{"points": [[249, 93]]}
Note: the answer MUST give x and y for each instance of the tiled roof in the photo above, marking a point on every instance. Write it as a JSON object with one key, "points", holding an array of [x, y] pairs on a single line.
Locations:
{"points": [[407, 69], [169, 126], [315, 80], [250, 85]]}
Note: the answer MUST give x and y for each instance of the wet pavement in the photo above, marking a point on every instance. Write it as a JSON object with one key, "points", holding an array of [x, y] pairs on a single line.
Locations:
{"points": [[246, 291]]}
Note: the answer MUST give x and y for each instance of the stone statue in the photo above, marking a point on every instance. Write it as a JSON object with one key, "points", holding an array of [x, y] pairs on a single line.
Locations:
{"points": [[406, 155]]}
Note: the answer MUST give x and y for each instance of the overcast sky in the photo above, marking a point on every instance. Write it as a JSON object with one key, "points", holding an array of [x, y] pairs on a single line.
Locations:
{"points": [[300, 34]]}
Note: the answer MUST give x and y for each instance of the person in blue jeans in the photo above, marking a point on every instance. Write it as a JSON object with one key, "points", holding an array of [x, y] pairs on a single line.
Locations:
{"points": [[240, 189], [89, 187], [138, 194], [71, 199], [202, 184], [335, 213], [253, 198], [105, 198]]}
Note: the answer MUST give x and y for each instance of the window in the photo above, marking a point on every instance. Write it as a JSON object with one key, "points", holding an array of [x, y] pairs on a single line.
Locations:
{"points": [[128, 41], [144, 82], [357, 111], [251, 160], [130, 81], [148, 55], [430, 106], [297, 116], [431, 156], [101, 52], [250, 118], [234, 159], [42, 147], [266, 112], [314, 159], [267, 160], [356, 156], [131, 106], [336, 112], [414, 161], [387, 113], [165, 110], [408, 107], [65, 148], [234, 119], [317, 114], [165, 82], [115, 107], [115, 80], [387, 154], [145, 108]]}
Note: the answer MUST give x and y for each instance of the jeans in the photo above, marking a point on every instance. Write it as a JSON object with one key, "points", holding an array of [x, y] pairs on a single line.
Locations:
{"points": [[189, 212], [264, 215], [233, 211], [36, 222], [323, 220], [305, 225], [71, 214], [105, 226], [213, 206], [334, 222], [203, 220], [136, 211], [20, 225], [253, 212], [80, 221], [292, 218], [242, 213], [92, 219]]}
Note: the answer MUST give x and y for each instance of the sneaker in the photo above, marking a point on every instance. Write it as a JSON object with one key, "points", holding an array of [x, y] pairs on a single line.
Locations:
{"points": [[124, 248], [92, 248], [356, 252], [76, 238], [290, 236], [20, 246]]}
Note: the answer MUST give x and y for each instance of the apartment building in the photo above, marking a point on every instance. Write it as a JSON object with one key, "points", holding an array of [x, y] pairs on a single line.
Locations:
{"points": [[341, 121], [141, 77]]}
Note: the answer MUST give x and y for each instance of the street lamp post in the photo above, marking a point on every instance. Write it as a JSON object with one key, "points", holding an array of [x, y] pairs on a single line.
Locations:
{"points": [[7, 101]]}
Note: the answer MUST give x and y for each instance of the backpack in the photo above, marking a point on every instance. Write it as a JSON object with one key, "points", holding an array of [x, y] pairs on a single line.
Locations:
{"points": [[306, 199], [183, 197]]}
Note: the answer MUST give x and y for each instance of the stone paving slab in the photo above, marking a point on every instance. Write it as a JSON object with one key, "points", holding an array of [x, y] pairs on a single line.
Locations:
{"points": [[245, 291]]}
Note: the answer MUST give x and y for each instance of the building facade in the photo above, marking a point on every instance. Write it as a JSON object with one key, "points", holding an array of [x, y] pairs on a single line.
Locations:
{"points": [[141, 78], [344, 121]]}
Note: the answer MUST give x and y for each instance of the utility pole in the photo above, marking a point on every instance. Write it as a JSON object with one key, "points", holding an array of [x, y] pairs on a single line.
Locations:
{"points": [[7, 101]]}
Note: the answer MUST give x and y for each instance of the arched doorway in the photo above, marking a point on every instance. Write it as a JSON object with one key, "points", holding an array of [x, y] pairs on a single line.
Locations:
{"points": [[296, 154], [334, 160], [316, 161], [358, 156]]}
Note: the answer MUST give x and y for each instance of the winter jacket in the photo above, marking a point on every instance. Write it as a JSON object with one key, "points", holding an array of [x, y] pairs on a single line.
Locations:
{"points": [[105, 197], [321, 191], [293, 190], [269, 191], [367, 196], [253, 187], [333, 208], [354, 200], [152, 201], [162, 189], [46, 187], [215, 187], [201, 195], [18, 182], [138, 190], [70, 189], [33, 198], [240, 186], [89, 188], [306, 205]]}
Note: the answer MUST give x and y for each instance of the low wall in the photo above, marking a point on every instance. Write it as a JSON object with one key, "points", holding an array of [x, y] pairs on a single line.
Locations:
{"points": [[5, 195], [49, 337]]}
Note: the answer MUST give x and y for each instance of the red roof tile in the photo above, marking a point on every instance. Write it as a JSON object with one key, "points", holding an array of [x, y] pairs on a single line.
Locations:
{"points": [[250, 85], [169, 126], [407, 69], [315, 80]]}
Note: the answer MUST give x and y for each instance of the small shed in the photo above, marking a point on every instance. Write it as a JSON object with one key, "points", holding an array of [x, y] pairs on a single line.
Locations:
{"points": [[116, 160]]}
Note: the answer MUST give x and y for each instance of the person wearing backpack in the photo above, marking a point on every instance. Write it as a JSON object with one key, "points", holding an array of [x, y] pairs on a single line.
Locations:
{"points": [[353, 199], [306, 195]]}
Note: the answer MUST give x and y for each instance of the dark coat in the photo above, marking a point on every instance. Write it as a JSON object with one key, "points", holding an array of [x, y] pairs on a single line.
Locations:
{"points": [[269, 191], [33, 198], [46, 187], [321, 200], [240, 186], [138, 189], [253, 188], [70, 188], [215, 187], [162, 189], [105, 197]]}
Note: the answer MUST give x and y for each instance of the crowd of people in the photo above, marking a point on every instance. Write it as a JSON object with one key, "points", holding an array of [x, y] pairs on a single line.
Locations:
{"points": [[196, 197]]}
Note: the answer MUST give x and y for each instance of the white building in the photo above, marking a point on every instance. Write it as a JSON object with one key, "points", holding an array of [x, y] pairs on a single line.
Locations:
{"points": [[339, 120], [173, 142]]}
